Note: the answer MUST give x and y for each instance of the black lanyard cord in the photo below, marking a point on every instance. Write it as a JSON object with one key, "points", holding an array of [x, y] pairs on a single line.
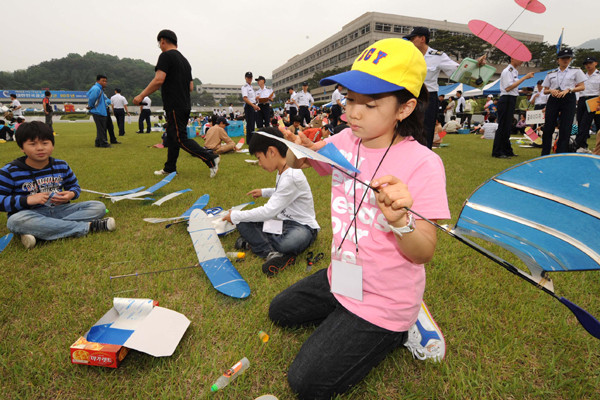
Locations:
{"points": [[363, 196]]}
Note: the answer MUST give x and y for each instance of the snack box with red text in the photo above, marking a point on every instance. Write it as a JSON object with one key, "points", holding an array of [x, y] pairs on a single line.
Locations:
{"points": [[136, 324], [97, 354]]}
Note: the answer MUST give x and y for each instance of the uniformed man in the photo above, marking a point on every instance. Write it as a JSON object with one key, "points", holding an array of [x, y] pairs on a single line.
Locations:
{"points": [[305, 101], [509, 90], [337, 106], [292, 103], [584, 118], [436, 61], [250, 108], [561, 84], [264, 96]]}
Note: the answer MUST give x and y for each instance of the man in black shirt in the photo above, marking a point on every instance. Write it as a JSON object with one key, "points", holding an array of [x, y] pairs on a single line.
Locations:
{"points": [[174, 78]]}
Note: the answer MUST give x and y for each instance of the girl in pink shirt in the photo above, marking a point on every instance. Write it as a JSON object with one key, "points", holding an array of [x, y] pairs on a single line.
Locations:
{"points": [[369, 298]]}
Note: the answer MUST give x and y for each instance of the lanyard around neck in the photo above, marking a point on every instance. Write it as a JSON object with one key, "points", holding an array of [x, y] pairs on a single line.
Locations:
{"points": [[357, 209]]}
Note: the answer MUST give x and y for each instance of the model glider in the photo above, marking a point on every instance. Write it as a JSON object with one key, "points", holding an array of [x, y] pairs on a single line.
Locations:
{"points": [[4, 241], [328, 154], [135, 194], [532, 5], [170, 196], [200, 203], [213, 260], [500, 39], [536, 210]]}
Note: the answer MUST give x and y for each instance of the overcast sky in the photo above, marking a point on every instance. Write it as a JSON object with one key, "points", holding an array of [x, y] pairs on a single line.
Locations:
{"points": [[223, 39]]}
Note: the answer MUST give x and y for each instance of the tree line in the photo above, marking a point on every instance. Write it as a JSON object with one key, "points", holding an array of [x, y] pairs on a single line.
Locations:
{"points": [[78, 73]]}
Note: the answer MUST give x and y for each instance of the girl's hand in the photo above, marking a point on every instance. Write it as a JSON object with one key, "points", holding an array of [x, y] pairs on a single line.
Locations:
{"points": [[255, 193], [392, 199]]}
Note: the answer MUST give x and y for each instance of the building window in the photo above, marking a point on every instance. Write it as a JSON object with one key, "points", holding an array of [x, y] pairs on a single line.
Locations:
{"points": [[381, 27], [365, 29]]}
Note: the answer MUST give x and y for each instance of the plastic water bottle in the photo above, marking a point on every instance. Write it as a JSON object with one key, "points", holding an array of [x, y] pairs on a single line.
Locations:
{"points": [[230, 374], [236, 255]]}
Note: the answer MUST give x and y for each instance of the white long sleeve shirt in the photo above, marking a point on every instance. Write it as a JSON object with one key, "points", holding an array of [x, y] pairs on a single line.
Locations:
{"points": [[291, 199]]}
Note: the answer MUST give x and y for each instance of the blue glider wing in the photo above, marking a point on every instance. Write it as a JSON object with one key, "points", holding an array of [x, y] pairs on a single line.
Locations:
{"points": [[545, 211]]}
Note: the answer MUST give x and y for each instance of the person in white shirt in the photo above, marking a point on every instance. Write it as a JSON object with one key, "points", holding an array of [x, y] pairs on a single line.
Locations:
{"points": [[561, 84], [337, 107], [286, 225], [250, 107], [509, 90], [538, 98], [305, 101], [489, 128], [264, 96], [230, 110], [452, 126], [145, 113], [15, 106], [437, 61], [292, 103], [585, 118], [118, 102], [460, 106]]}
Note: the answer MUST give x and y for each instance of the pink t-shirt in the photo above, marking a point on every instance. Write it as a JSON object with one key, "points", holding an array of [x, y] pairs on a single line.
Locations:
{"points": [[392, 285]]}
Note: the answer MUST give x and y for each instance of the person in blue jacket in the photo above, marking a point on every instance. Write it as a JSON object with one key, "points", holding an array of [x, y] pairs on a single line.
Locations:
{"points": [[97, 104]]}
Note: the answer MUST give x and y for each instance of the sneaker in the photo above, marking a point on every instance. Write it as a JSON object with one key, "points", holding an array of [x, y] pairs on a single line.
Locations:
{"points": [[28, 241], [241, 244], [104, 224], [425, 339], [215, 169], [276, 262], [161, 172], [583, 150]]}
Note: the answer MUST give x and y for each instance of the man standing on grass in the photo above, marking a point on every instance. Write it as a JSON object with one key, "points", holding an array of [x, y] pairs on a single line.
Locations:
{"points": [[119, 106], [174, 77], [97, 104]]}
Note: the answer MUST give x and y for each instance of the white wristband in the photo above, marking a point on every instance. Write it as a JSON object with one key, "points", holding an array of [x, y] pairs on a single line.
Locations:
{"points": [[408, 228]]}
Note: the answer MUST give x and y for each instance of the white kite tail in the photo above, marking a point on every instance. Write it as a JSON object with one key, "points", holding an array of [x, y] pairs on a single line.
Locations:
{"points": [[204, 237]]}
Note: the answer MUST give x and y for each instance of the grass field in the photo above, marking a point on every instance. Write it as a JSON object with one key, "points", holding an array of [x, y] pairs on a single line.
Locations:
{"points": [[505, 339]]}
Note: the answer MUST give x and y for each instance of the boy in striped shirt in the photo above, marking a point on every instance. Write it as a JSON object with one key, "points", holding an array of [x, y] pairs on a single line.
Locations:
{"points": [[36, 190]]}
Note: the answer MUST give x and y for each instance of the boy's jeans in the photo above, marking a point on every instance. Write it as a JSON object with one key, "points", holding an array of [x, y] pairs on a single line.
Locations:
{"points": [[51, 223], [294, 239]]}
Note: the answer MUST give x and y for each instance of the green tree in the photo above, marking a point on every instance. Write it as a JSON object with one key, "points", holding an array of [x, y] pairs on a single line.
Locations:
{"points": [[76, 72], [235, 99]]}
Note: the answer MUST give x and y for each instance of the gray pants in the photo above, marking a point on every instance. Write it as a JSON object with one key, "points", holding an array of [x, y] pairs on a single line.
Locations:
{"points": [[100, 121], [49, 120]]}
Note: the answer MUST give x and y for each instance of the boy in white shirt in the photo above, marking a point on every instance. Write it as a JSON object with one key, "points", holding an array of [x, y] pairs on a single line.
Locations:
{"points": [[489, 128], [286, 225]]}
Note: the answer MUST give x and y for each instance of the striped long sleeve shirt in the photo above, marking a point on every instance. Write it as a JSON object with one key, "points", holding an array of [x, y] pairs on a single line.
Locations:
{"points": [[18, 180]]}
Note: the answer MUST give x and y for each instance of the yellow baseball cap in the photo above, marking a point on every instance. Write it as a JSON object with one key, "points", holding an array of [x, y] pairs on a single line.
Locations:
{"points": [[386, 66]]}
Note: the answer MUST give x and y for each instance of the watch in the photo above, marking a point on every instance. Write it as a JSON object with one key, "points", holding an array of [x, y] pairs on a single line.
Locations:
{"points": [[408, 228]]}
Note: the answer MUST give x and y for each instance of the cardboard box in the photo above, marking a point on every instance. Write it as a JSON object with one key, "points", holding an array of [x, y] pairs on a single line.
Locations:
{"points": [[137, 324], [97, 354]]}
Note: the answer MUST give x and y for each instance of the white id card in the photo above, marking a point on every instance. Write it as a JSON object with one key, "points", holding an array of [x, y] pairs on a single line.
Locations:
{"points": [[273, 226], [346, 279]]}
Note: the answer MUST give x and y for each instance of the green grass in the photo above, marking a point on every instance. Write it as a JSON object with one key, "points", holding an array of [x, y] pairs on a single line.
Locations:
{"points": [[505, 339]]}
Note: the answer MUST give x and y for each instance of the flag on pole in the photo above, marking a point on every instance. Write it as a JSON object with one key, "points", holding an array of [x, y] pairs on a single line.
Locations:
{"points": [[559, 44]]}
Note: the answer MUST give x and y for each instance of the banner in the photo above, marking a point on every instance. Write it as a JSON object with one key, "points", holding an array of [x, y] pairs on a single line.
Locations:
{"points": [[39, 94]]}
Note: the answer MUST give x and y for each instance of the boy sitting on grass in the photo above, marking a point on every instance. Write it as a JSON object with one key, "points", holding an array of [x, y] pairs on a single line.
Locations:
{"points": [[36, 190], [286, 225]]}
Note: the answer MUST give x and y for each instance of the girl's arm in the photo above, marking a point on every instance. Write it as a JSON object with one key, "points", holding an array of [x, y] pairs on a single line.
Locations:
{"points": [[419, 245]]}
